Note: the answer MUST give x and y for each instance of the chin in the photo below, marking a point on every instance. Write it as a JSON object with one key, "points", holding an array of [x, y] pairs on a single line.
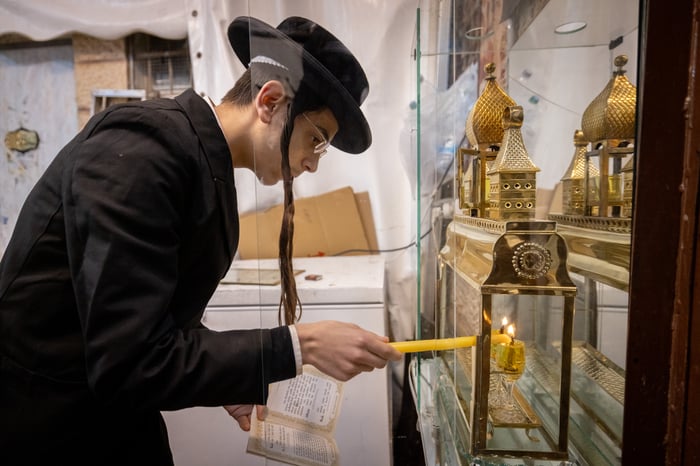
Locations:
{"points": [[269, 182]]}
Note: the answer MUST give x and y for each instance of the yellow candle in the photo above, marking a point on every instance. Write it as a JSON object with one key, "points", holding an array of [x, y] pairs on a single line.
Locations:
{"points": [[442, 344], [511, 358]]}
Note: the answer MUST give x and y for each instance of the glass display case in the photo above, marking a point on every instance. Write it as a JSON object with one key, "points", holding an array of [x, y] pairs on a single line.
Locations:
{"points": [[523, 233]]}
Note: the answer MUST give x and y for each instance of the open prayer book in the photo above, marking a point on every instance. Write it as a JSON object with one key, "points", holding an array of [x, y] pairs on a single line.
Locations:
{"points": [[300, 423]]}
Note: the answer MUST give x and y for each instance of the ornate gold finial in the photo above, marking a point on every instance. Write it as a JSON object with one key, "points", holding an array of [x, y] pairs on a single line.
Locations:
{"points": [[611, 115], [620, 61], [574, 179], [512, 174], [577, 167], [513, 117], [513, 156], [484, 126]]}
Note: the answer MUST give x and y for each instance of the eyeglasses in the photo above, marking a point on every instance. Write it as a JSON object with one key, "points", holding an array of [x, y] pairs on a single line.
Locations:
{"points": [[321, 148]]}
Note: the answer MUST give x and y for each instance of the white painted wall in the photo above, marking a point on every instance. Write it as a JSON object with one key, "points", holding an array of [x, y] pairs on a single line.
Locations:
{"points": [[37, 92]]}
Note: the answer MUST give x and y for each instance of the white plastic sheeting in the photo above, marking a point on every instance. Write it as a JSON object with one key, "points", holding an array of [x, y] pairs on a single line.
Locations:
{"points": [[42, 20], [381, 35]]}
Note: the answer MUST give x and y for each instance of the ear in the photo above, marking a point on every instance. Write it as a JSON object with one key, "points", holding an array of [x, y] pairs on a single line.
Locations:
{"points": [[269, 100]]}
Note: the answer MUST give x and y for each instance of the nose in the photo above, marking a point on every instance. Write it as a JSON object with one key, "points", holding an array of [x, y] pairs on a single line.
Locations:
{"points": [[311, 163]]}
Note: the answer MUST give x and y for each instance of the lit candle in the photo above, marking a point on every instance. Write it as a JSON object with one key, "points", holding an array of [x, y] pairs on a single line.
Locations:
{"points": [[501, 331], [442, 344], [510, 356]]}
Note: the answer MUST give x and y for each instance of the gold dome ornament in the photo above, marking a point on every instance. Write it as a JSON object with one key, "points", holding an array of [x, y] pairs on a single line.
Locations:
{"points": [[484, 127], [611, 115], [484, 131]]}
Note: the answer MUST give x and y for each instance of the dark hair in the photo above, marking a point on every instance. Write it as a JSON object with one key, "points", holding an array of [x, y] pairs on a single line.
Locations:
{"points": [[303, 100], [241, 93], [253, 79]]}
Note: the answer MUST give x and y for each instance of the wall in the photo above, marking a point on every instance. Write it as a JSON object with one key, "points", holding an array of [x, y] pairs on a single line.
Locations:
{"points": [[47, 87], [37, 93], [99, 64]]}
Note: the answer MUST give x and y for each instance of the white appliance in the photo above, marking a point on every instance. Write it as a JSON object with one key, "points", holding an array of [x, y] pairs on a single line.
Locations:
{"points": [[352, 290]]}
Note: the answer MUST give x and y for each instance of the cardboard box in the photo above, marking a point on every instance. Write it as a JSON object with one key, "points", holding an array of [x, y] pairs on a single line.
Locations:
{"points": [[324, 225]]}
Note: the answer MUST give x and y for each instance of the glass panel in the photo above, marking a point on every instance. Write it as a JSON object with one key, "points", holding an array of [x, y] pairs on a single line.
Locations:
{"points": [[546, 99], [308, 85]]}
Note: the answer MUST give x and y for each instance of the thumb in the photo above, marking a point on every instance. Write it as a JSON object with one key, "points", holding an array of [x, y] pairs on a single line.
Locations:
{"points": [[261, 412]]}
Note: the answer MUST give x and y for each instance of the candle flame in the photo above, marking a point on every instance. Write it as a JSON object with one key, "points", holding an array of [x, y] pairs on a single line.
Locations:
{"points": [[504, 321], [511, 331]]}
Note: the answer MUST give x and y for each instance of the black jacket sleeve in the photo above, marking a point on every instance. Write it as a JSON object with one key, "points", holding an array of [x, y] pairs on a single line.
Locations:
{"points": [[127, 196]]}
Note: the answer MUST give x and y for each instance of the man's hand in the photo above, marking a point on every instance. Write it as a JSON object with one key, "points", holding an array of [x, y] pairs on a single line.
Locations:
{"points": [[343, 350], [242, 413]]}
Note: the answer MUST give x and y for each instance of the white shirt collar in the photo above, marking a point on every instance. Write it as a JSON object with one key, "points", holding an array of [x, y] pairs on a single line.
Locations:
{"points": [[210, 102]]}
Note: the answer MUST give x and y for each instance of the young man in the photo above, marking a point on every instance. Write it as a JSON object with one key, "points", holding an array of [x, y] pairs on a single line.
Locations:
{"points": [[124, 239]]}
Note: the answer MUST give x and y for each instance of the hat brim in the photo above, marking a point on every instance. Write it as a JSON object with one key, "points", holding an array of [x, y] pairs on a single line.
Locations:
{"points": [[248, 34]]}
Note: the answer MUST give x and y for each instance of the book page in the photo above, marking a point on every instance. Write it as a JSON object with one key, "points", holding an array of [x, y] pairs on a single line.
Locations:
{"points": [[300, 420], [312, 398], [298, 446]]}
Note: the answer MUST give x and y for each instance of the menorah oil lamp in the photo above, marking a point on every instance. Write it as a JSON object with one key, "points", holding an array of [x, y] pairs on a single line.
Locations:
{"points": [[509, 399]]}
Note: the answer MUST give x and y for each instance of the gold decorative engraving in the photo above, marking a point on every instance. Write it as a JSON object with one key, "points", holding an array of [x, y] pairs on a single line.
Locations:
{"points": [[531, 261], [611, 224]]}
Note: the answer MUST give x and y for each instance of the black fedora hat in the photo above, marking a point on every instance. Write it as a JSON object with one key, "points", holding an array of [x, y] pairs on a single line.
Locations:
{"points": [[310, 54]]}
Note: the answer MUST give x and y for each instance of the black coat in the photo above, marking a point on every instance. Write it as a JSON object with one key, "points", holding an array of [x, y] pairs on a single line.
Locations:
{"points": [[115, 254]]}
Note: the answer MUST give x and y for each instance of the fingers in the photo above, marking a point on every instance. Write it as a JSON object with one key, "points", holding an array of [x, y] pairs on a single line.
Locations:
{"points": [[241, 413], [383, 350], [261, 412], [344, 350], [373, 351], [244, 423]]}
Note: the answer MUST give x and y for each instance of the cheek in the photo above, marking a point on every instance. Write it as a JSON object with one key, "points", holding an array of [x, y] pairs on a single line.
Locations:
{"points": [[296, 151], [272, 142], [274, 133]]}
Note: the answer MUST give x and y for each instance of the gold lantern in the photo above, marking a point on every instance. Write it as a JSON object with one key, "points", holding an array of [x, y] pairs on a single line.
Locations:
{"points": [[511, 398], [488, 398]]}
